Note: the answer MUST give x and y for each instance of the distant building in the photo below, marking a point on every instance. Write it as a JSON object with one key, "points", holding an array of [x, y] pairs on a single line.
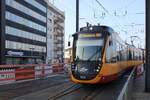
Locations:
{"points": [[23, 31], [55, 34], [68, 55]]}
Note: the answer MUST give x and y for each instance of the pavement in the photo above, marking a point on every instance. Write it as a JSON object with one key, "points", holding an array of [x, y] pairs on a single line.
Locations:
{"points": [[139, 89]]}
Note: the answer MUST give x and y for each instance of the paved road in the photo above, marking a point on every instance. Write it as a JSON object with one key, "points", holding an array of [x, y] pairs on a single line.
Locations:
{"points": [[108, 91], [10, 91], [57, 85]]}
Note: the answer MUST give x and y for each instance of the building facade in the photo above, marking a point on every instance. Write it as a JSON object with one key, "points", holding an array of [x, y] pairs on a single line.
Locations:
{"points": [[55, 34], [23, 26], [68, 55]]}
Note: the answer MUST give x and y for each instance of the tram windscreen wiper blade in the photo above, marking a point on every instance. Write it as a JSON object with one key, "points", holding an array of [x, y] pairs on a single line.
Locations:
{"points": [[97, 51]]}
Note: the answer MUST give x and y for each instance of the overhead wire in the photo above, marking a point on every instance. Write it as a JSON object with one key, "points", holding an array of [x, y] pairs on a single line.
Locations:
{"points": [[120, 26], [101, 5]]}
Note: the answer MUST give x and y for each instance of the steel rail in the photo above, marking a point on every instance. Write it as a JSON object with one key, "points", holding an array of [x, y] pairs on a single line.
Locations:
{"points": [[67, 91]]}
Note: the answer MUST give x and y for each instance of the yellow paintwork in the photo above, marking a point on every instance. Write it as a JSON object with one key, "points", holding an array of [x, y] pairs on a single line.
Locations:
{"points": [[116, 68], [109, 69], [92, 81]]}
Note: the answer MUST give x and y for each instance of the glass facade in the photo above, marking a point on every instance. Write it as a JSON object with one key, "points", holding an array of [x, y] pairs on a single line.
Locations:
{"points": [[24, 46], [37, 5], [25, 10], [21, 20], [24, 28], [24, 34]]}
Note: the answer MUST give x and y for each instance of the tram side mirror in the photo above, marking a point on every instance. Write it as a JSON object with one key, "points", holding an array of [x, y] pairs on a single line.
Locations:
{"points": [[68, 43]]}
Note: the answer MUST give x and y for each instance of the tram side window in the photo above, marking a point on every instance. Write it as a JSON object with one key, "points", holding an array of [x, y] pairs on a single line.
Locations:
{"points": [[130, 55], [141, 55], [133, 55], [121, 53], [118, 51], [108, 53], [124, 54]]}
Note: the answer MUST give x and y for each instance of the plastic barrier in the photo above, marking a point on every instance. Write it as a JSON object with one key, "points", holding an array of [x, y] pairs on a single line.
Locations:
{"points": [[48, 71], [43, 71], [7, 76], [13, 73], [25, 73], [38, 71], [57, 68]]}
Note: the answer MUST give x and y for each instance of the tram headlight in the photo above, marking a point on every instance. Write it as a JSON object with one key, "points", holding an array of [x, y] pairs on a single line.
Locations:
{"points": [[97, 70], [72, 66]]}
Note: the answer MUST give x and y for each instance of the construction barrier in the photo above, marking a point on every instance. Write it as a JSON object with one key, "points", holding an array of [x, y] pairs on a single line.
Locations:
{"points": [[23, 73], [7, 75], [13, 73]]}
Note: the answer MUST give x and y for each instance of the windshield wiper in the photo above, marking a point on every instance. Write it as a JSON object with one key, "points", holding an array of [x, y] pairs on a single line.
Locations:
{"points": [[94, 54]]}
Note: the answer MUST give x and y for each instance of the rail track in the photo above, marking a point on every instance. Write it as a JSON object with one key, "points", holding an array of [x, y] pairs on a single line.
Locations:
{"points": [[69, 90], [93, 94], [93, 91]]}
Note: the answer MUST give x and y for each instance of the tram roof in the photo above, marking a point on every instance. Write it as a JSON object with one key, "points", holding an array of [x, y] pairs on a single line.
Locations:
{"points": [[96, 29]]}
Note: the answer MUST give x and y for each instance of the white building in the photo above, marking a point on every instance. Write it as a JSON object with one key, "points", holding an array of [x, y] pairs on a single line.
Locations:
{"points": [[55, 34]]}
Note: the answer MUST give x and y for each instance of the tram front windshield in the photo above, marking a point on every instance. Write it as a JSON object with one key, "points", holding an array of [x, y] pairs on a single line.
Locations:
{"points": [[88, 47], [87, 56], [88, 50]]}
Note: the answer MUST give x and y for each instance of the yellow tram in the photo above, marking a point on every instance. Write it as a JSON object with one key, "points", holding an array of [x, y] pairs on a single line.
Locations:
{"points": [[100, 56]]}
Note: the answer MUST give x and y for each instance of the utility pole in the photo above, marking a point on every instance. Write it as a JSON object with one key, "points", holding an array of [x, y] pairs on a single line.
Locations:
{"points": [[147, 73], [77, 15]]}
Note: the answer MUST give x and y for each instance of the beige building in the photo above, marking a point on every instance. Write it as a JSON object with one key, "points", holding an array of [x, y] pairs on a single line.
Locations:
{"points": [[55, 34], [68, 55]]}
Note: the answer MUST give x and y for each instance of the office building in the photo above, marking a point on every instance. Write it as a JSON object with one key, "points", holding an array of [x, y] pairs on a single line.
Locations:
{"points": [[23, 25]]}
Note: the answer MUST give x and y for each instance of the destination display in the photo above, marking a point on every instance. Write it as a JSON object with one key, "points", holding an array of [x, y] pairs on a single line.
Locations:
{"points": [[90, 35]]}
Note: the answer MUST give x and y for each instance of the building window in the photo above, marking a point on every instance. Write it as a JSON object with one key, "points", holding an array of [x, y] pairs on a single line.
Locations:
{"points": [[25, 10], [36, 4], [20, 20], [24, 46], [24, 34]]}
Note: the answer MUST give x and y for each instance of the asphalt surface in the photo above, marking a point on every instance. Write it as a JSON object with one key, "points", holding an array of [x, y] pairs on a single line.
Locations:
{"points": [[61, 88], [10, 91], [108, 91]]}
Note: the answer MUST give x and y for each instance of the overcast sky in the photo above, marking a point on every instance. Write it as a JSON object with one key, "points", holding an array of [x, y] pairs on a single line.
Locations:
{"points": [[126, 17]]}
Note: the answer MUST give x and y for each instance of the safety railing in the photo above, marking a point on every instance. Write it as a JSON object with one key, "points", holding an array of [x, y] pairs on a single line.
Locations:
{"points": [[14, 73]]}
